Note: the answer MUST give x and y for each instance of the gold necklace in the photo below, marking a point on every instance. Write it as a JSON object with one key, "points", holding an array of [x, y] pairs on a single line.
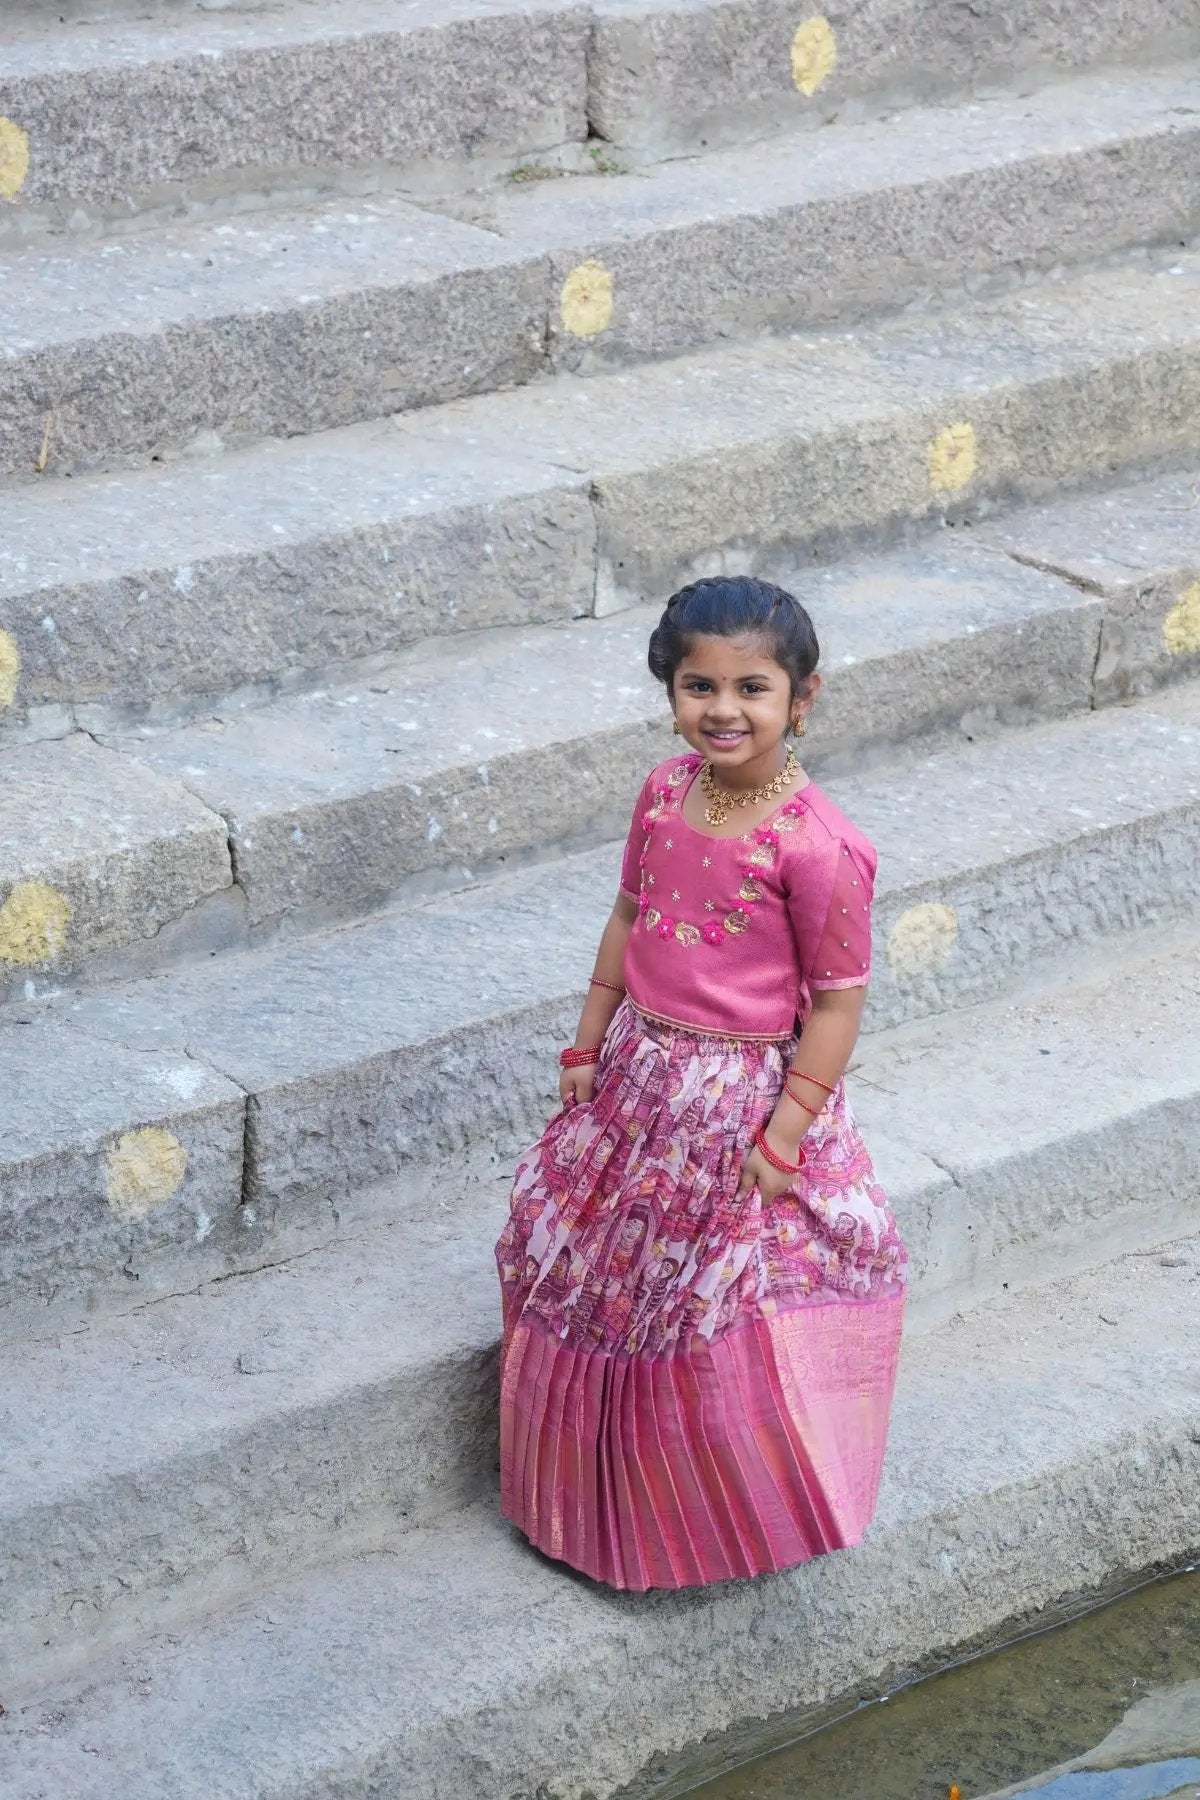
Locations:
{"points": [[722, 802]]}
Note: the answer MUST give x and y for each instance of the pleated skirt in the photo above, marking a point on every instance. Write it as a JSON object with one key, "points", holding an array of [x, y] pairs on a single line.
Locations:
{"points": [[694, 1386]]}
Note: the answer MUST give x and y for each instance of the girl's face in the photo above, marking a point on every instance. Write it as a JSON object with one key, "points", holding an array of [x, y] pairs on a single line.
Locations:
{"points": [[734, 704]]}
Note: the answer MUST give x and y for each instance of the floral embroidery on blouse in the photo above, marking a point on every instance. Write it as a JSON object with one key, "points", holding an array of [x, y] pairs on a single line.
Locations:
{"points": [[737, 917]]}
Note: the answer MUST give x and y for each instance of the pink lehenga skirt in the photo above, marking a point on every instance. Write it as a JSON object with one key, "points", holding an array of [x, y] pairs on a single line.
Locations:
{"points": [[693, 1386]]}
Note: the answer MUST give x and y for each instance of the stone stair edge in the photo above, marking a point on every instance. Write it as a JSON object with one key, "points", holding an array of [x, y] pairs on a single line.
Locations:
{"points": [[307, 1361], [311, 313], [596, 72], [419, 770], [870, 456], [960, 1548], [359, 1047], [361, 834]]}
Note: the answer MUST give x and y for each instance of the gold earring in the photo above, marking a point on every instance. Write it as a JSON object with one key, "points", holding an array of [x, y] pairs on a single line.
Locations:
{"points": [[799, 728], [676, 729]]}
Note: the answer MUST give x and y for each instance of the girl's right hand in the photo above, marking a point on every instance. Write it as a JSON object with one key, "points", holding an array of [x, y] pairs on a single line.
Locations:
{"points": [[575, 1086]]}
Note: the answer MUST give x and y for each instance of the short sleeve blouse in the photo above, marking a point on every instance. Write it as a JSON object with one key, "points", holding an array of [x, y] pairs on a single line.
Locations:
{"points": [[733, 935]]}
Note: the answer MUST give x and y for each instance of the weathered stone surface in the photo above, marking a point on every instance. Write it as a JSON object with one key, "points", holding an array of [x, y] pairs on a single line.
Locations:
{"points": [[1027, 848], [451, 763], [1025, 1107], [290, 1414], [683, 76], [265, 326], [997, 1501], [1137, 549], [291, 88], [381, 1046], [264, 1423], [240, 571], [756, 450], [283, 323], [108, 1157], [807, 230], [96, 853], [624, 484]]}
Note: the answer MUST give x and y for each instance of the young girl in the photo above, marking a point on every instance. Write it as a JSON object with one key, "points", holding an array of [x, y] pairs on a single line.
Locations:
{"points": [[702, 1281]]}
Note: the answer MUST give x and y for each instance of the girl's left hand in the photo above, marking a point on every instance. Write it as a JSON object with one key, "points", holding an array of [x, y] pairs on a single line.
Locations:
{"points": [[758, 1172]]}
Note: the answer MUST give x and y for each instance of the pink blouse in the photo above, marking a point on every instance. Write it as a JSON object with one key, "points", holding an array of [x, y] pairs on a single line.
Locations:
{"points": [[733, 934]]}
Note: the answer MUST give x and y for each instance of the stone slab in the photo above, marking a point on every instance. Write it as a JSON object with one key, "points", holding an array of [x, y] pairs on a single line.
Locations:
{"points": [[1138, 550], [96, 853], [814, 229], [238, 1428], [109, 1157], [815, 439], [1025, 1106], [1037, 1451], [244, 572], [243, 95], [281, 323], [666, 79], [629, 482], [386, 1044], [271, 325], [463, 756]]}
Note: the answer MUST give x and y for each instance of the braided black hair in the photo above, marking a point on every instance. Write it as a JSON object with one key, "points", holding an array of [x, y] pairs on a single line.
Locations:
{"points": [[735, 606]]}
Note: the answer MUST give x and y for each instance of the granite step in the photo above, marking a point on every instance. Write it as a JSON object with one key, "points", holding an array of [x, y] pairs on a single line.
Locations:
{"points": [[273, 97], [334, 804], [101, 856], [329, 1395], [666, 79], [919, 642], [298, 322], [803, 230], [455, 92], [378, 1047], [1044, 1446], [466, 754], [233, 572]]}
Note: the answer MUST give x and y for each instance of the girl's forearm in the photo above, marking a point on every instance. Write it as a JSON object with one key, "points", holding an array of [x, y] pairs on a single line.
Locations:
{"points": [[818, 1065], [606, 993]]}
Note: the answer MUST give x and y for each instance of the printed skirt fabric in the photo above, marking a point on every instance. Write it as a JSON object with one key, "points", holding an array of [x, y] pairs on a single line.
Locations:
{"points": [[693, 1386]]}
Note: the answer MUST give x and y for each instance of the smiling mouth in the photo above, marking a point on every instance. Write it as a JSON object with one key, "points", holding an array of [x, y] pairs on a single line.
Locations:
{"points": [[726, 737]]}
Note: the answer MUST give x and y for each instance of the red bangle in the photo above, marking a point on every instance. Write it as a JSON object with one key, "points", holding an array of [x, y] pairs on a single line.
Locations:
{"points": [[801, 1076], [579, 1059], [595, 981], [777, 1162], [816, 1111]]}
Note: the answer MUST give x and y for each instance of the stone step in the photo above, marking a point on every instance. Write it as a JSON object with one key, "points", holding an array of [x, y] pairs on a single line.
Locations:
{"points": [[330, 1395], [231, 90], [334, 805], [806, 230], [274, 97], [270, 326], [665, 79], [396, 1042], [1042, 1447], [1139, 551], [443, 767], [233, 572], [98, 854], [299, 322]]}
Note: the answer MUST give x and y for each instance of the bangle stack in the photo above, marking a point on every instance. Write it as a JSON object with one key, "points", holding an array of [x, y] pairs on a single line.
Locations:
{"points": [[579, 1059], [777, 1162]]}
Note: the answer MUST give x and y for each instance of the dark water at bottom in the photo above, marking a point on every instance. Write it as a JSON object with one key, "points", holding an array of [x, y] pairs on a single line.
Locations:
{"points": [[1104, 1708]]}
